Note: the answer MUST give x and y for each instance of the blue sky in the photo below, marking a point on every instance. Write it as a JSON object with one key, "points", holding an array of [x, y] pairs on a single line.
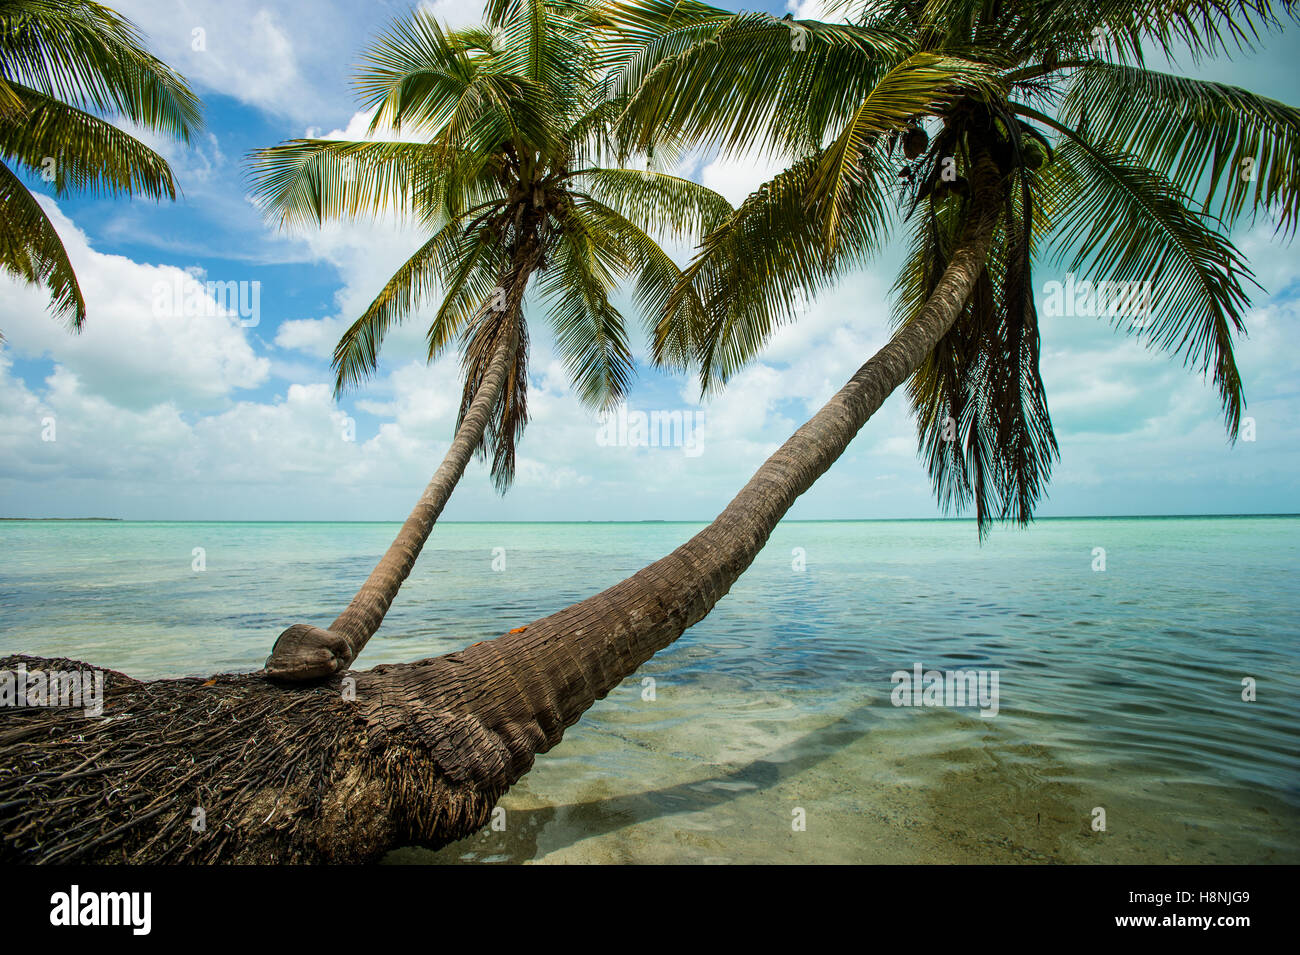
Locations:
{"points": [[201, 418]]}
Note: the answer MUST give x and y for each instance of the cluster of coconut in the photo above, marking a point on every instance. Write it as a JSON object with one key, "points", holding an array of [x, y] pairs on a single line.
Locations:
{"points": [[1030, 151]]}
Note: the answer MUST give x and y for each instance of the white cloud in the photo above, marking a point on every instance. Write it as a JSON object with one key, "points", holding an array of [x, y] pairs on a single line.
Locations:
{"points": [[280, 56], [423, 399], [246, 49], [735, 177], [455, 13], [314, 336], [365, 255], [69, 433], [830, 11], [358, 129], [132, 352]]}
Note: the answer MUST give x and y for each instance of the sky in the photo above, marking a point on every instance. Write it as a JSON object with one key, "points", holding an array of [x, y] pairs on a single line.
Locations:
{"points": [[154, 414]]}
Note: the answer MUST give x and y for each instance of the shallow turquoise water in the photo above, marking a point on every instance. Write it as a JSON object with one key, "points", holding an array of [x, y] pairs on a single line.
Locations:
{"points": [[1119, 688]]}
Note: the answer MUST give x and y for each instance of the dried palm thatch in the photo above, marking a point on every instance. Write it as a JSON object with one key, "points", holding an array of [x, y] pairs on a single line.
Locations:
{"points": [[231, 769]]}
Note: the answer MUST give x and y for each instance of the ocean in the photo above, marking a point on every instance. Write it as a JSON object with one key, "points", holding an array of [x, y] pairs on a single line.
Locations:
{"points": [[1147, 677]]}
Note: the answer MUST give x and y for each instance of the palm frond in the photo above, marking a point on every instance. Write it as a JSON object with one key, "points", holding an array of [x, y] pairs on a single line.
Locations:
{"points": [[312, 181], [90, 57], [763, 266], [729, 81], [1211, 140], [920, 85], [1123, 222], [670, 309], [419, 76], [31, 250], [81, 151], [589, 332], [463, 262], [1127, 29], [656, 201]]}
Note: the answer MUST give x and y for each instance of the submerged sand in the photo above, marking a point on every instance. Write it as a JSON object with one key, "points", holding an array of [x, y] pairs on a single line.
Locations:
{"points": [[708, 776]]}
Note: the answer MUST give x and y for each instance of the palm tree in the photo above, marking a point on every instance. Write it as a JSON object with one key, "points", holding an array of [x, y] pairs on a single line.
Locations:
{"points": [[61, 62], [420, 752], [508, 133], [1114, 170]]}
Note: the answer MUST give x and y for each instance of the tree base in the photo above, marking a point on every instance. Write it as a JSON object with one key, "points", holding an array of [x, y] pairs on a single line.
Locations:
{"points": [[230, 769]]}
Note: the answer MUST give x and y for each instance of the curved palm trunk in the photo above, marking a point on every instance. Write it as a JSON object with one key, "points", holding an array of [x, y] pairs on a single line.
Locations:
{"points": [[413, 753], [502, 701], [305, 652]]}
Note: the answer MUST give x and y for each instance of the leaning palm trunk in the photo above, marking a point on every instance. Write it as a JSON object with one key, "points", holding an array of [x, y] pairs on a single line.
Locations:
{"points": [[414, 753], [305, 652]]}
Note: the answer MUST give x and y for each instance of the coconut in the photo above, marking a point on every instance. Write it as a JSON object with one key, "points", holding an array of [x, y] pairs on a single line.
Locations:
{"points": [[914, 142], [1032, 154]]}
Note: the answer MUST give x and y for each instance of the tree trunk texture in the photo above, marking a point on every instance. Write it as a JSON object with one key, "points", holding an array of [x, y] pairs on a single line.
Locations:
{"points": [[410, 754]]}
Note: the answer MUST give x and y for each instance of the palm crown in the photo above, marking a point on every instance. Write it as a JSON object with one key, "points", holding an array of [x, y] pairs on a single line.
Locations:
{"points": [[1108, 167], [62, 61], [509, 132]]}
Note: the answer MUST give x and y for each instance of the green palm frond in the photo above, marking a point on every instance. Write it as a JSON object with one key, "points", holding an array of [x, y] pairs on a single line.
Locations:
{"points": [[10, 104], [593, 140], [1128, 29], [656, 201], [1123, 222], [589, 332], [497, 12], [475, 281], [31, 250], [59, 60], [727, 81], [82, 152], [670, 309], [1211, 140], [90, 57], [546, 44], [418, 76], [451, 256], [311, 181], [1125, 30], [766, 262], [922, 84], [648, 33]]}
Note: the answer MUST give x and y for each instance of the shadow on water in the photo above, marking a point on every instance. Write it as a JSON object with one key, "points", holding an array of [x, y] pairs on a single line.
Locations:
{"points": [[557, 827]]}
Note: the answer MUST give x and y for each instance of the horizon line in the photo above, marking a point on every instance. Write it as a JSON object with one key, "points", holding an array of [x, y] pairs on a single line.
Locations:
{"points": [[811, 520]]}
